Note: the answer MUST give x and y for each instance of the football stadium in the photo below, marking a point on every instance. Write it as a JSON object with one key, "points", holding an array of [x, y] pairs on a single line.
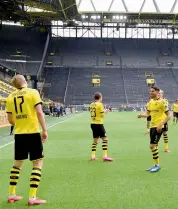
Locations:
{"points": [[79, 75]]}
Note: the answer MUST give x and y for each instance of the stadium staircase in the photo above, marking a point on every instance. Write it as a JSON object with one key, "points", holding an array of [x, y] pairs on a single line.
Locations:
{"points": [[57, 79], [68, 80]]}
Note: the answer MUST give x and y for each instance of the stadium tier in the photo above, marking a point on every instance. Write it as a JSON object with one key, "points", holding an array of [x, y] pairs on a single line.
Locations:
{"points": [[70, 64], [121, 65], [118, 52], [119, 86], [22, 48]]}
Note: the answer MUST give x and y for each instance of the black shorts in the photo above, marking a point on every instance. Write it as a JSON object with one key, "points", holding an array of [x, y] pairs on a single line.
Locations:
{"points": [[28, 145], [155, 136], [149, 118], [176, 114], [98, 131], [165, 127]]}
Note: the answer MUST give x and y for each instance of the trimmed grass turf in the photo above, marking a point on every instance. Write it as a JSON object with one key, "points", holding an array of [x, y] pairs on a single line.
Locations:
{"points": [[70, 181]]}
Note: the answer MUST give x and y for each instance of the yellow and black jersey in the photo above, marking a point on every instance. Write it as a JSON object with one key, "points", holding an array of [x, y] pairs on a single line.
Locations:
{"points": [[21, 104], [165, 101], [175, 107], [157, 109], [97, 113], [147, 105]]}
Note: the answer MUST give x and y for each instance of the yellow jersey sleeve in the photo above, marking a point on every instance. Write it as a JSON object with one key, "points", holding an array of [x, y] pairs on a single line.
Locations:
{"points": [[101, 110], [165, 107], [148, 106], [166, 102], [9, 105], [36, 97]]}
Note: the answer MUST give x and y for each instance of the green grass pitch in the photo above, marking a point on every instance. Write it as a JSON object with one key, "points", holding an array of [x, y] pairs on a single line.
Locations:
{"points": [[70, 181]]}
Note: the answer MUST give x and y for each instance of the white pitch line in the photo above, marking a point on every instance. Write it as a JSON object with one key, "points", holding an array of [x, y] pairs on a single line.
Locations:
{"points": [[5, 145]]}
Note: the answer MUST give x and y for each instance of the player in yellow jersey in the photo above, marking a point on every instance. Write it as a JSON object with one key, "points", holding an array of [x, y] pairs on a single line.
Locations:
{"points": [[157, 109], [165, 129], [175, 112], [97, 114], [24, 110]]}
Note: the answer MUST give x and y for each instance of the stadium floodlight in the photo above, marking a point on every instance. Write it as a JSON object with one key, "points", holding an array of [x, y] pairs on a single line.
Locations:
{"points": [[93, 17], [114, 17], [125, 17], [104, 17], [83, 16], [121, 17], [98, 17], [117, 17]]}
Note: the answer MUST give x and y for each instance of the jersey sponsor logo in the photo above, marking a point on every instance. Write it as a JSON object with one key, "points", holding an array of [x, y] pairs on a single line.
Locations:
{"points": [[21, 116], [18, 93], [154, 110]]}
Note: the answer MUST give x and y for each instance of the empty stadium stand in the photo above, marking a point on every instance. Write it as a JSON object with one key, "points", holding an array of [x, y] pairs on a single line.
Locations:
{"points": [[22, 48], [121, 64], [123, 52], [123, 81], [57, 78]]}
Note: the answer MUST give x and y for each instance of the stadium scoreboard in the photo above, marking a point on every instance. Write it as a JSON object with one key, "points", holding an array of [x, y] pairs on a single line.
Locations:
{"points": [[150, 80], [96, 80]]}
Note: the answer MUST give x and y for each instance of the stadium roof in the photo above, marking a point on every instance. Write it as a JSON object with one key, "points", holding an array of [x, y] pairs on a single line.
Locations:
{"points": [[7, 8], [97, 11], [37, 10], [128, 6]]}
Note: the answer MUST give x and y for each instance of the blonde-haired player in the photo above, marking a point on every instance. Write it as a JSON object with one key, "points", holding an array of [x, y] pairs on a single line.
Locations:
{"points": [[24, 110], [175, 112], [165, 129]]}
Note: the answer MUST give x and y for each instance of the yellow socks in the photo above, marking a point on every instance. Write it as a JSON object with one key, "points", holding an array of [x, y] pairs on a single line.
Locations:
{"points": [[165, 136], [155, 154], [34, 181], [105, 147], [93, 153], [14, 177]]}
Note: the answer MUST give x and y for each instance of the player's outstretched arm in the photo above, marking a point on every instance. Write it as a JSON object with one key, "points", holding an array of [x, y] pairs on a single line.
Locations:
{"points": [[147, 114], [41, 119]]}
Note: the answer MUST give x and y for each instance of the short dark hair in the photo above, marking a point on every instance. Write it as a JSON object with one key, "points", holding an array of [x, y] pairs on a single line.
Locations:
{"points": [[155, 88], [97, 96]]}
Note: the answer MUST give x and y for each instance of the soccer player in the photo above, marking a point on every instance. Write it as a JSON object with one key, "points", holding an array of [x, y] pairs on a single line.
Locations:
{"points": [[157, 109], [165, 129], [175, 112], [24, 110], [97, 113]]}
